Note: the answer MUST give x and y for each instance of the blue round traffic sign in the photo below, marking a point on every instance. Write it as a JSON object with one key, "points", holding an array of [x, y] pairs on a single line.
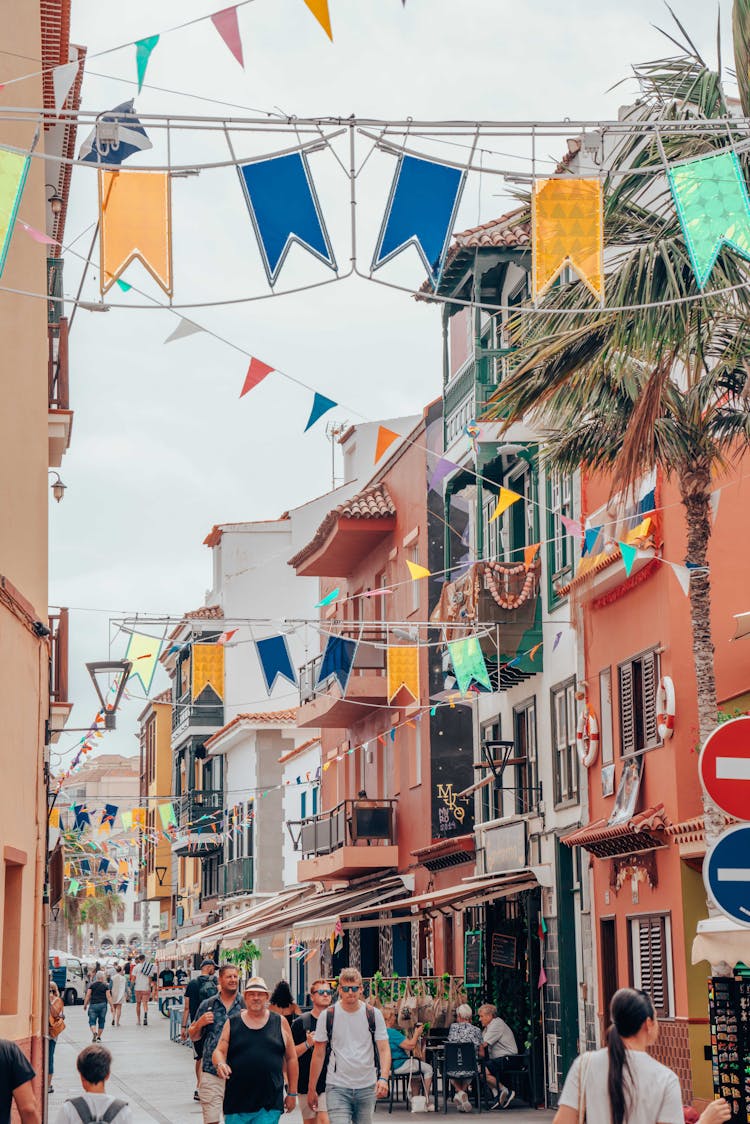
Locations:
{"points": [[726, 873]]}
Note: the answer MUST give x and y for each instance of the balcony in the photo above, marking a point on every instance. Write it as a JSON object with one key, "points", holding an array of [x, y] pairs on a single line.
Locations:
{"points": [[200, 822], [356, 837], [190, 718], [325, 706], [60, 416], [466, 396], [59, 706], [236, 877]]}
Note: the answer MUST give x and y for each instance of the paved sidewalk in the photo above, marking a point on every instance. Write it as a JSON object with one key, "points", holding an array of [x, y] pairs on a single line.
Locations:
{"points": [[157, 1078]]}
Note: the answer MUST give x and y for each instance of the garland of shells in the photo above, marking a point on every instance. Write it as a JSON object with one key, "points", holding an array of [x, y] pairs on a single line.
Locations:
{"points": [[503, 597]]}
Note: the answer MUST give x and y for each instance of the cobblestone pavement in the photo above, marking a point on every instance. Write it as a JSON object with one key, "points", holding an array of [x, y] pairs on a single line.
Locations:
{"points": [[156, 1076]]}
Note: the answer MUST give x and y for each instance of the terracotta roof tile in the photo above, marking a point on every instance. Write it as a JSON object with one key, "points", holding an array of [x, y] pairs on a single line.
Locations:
{"points": [[163, 697], [292, 753], [643, 831], [204, 613], [265, 717], [374, 502]]}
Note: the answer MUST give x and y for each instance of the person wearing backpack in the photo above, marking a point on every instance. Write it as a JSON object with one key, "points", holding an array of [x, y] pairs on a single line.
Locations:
{"points": [[202, 987], [303, 1035], [357, 1039], [96, 1106]]}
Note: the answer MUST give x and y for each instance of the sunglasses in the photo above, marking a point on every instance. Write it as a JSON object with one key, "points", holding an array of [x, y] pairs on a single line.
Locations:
{"points": [[349, 987], [323, 991]]}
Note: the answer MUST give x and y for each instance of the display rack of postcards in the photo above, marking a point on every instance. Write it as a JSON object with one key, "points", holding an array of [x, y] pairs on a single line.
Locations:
{"points": [[729, 1013]]}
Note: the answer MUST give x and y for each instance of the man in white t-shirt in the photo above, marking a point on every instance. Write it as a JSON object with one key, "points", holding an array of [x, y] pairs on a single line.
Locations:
{"points": [[94, 1064], [355, 1032], [142, 978], [498, 1042]]}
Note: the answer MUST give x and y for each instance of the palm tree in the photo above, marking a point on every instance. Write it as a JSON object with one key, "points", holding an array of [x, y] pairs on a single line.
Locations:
{"points": [[622, 391], [99, 911]]}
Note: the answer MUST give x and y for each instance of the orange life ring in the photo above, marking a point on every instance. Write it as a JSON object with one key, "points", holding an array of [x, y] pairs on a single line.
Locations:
{"points": [[587, 736], [665, 708]]}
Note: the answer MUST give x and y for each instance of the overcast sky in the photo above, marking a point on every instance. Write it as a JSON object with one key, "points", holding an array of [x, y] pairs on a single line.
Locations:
{"points": [[162, 447]]}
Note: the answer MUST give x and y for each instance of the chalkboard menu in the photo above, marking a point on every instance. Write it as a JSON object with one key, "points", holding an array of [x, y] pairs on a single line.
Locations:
{"points": [[473, 958], [503, 951], [729, 1014]]}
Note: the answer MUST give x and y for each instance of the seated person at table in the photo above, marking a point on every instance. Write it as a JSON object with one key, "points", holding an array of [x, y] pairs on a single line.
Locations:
{"points": [[401, 1048], [462, 1030], [497, 1043]]}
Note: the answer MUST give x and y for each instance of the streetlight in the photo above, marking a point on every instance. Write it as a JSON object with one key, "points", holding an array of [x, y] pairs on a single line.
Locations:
{"points": [[58, 488], [54, 200], [105, 669]]}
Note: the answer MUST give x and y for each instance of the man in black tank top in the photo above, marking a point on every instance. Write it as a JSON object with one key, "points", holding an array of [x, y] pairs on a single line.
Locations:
{"points": [[250, 1057]]}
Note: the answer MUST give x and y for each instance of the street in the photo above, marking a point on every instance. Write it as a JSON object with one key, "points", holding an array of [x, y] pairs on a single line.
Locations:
{"points": [[153, 1074]]}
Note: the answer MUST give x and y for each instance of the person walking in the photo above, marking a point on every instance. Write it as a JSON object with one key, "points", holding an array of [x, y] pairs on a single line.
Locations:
{"points": [[94, 1065], [118, 988], [498, 1041], [463, 1030], [356, 1035], [142, 981], [202, 987], [56, 1027], [282, 1002], [254, 1047], [303, 1035], [16, 1077], [98, 998], [206, 1029]]}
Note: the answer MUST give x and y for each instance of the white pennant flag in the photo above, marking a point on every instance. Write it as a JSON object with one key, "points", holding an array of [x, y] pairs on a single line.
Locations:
{"points": [[63, 78], [682, 573], [715, 497], [183, 329]]}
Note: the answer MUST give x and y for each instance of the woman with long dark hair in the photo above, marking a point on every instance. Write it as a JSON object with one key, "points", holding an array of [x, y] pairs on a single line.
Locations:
{"points": [[623, 1084], [282, 1002]]}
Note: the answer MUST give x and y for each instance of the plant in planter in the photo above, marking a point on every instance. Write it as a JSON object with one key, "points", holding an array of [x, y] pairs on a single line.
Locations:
{"points": [[244, 957]]}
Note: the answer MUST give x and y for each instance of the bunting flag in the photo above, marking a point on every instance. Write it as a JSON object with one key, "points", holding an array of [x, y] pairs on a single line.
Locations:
{"points": [[109, 814], [167, 816], [228, 27], [122, 867], [416, 570], [385, 439], [443, 468], [63, 78], [529, 554], [328, 599], [143, 49], [321, 405], [74, 886], [14, 168], [54, 817], [567, 229], [127, 820], [135, 211], [711, 199], [639, 532], [130, 137], [533, 651], [183, 329], [338, 660], [284, 208], [143, 652], [103, 866], [82, 818], [572, 526], [256, 372], [682, 573], [558, 638], [403, 671], [208, 669], [275, 661], [85, 866], [337, 936], [90, 890], [504, 500], [225, 637], [468, 663], [319, 9], [37, 235], [628, 556], [421, 211], [589, 539], [139, 817]]}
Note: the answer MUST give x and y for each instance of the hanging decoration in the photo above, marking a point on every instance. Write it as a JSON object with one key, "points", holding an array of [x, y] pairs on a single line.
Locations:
{"points": [[319, 9], [284, 208], [37, 235], [572, 526], [443, 468], [385, 439], [74, 886], [228, 27], [207, 669], [567, 229], [711, 199], [82, 818], [14, 168], [338, 660], [591, 534], [275, 661], [256, 372], [63, 78], [530, 553], [421, 211], [416, 570], [136, 222], [143, 652], [403, 670], [468, 664], [628, 556], [183, 329], [117, 135], [321, 405], [143, 50], [328, 599], [682, 573], [109, 814], [505, 498]]}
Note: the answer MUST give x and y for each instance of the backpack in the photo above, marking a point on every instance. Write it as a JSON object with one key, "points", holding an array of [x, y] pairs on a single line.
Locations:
{"points": [[206, 988], [81, 1105], [371, 1026]]}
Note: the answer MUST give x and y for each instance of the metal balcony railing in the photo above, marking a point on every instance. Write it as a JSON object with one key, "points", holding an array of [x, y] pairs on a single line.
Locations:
{"points": [[236, 877], [350, 823], [196, 714], [370, 656]]}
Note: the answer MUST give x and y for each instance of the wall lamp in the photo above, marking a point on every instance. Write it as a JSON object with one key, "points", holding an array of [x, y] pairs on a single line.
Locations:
{"points": [[54, 200], [58, 488]]}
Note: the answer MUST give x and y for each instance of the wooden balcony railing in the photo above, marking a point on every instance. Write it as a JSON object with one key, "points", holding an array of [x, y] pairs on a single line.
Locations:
{"points": [[57, 365], [58, 664]]}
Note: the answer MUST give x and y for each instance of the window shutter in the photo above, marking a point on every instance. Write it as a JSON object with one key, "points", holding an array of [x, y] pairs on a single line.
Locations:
{"points": [[653, 957], [649, 700], [627, 718]]}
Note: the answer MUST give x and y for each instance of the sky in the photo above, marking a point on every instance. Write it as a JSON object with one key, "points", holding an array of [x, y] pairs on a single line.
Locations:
{"points": [[162, 447]]}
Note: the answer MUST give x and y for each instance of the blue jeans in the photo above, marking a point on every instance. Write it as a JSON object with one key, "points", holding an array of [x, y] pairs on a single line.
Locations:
{"points": [[350, 1106], [97, 1014]]}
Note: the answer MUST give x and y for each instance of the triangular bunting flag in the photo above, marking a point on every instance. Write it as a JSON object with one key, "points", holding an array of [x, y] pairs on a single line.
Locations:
{"points": [[640, 531], [123, 285], [385, 439], [143, 652], [256, 372], [14, 168], [328, 599], [143, 49], [529, 554], [628, 556], [275, 661], [319, 9], [184, 328], [208, 669], [558, 637], [228, 28], [63, 78], [567, 230], [505, 498], [37, 235], [135, 212], [468, 663], [682, 573], [403, 671], [321, 405], [167, 816], [533, 651], [711, 199], [589, 539], [442, 469], [572, 526], [337, 661], [54, 817], [74, 886], [417, 571]]}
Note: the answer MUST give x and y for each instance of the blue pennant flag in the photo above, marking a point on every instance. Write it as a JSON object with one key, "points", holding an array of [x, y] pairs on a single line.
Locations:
{"points": [[421, 211], [281, 197], [589, 540], [122, 888], [107, 887], [116, 135], [275, 661], [82, 818], [338, 660], [103, 866], [321, 405], [85, 866], [109, 813]]}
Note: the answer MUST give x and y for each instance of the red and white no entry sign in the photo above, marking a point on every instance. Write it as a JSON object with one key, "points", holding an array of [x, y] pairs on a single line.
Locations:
{"points": [[724, 767]]}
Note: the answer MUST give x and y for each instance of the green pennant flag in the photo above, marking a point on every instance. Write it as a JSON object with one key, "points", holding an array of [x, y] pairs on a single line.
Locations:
{"points": [[628, 556], [143, 49], [711, 198], [468, 663], [14, 167]]}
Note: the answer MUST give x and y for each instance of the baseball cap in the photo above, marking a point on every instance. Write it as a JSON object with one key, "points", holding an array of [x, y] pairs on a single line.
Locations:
{"points": [[257, 983], [208, 962]]}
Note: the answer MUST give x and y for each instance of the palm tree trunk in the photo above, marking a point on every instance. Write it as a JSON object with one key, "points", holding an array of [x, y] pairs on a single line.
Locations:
{"points": [[741, 39]]}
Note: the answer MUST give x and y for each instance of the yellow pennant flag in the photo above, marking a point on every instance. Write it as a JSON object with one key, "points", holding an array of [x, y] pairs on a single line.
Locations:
{"points": [[639, 532], [135, 212], [139, 817], [319, 9], [403, 671], [567, 230], [529, 554], [417, 571], [208, 668], [504, 500], [54, 817], [90, 890]]}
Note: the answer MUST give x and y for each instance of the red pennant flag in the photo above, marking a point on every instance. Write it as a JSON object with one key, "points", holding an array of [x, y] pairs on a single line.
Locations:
{"points": [[256, 372], [228, 28]]}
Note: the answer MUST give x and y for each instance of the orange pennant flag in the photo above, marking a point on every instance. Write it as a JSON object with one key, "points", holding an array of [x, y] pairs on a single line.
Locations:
{"points": [[534, 651], [403, 671], [319, 9], [135, 211], [567, 230], [386, 437], [529, 554]]}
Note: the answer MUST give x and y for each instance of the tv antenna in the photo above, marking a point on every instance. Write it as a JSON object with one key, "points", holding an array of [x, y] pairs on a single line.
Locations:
{"points": [[334, 431]]}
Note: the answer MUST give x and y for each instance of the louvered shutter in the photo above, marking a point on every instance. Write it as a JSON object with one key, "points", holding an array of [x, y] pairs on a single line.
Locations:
{"points": [[627, 718], [652, 948], [651, 733]]}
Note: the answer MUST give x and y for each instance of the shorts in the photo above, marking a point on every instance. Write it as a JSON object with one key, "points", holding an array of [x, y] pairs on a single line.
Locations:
{"points": [[97, 1014], [307, 1112], [211, 1095], [262, 1116]]}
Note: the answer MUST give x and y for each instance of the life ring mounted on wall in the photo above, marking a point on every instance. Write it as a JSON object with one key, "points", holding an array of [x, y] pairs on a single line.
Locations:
{"points": [[665, 708], [587, 736]]}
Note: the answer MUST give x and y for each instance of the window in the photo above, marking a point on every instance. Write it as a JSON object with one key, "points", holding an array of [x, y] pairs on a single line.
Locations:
{"points": [[315, 800], [303, 806], [491, 799], [210, 877], [564, 742], [524, 730], [414, 750], [121, 913], [605, 708], [559, 543], [416, 586], [638, 680], [651, 959], [11, 936]]}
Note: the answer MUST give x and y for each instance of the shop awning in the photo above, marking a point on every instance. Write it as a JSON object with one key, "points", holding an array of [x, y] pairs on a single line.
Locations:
{"points": [[718, 938], [643, 832], [475, 891], [206, 939]]}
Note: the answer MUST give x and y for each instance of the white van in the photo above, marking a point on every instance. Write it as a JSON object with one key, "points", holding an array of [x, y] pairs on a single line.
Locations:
{"points": [[67, 973]]}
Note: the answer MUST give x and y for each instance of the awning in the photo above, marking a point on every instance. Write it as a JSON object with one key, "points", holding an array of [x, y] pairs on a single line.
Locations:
{"points": [[168, 952], [643, 832], [718, 938], [473, 892], [742, 627], [224, 931]]}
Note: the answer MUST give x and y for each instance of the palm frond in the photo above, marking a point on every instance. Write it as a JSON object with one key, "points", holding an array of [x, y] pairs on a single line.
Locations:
{"points": [[741, 39]]}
